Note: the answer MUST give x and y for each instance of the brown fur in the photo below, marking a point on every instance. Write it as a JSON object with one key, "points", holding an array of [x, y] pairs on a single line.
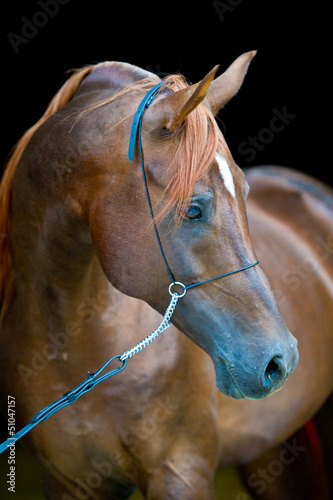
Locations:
{"points": [[82, 256]]}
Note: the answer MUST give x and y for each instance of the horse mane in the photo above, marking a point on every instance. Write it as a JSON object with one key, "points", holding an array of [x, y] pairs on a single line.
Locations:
{"points": [[62, 97], [197, 145]]}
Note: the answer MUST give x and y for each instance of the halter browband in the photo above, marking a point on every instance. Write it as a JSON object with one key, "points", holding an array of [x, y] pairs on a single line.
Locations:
{"points": [[136, 131]]}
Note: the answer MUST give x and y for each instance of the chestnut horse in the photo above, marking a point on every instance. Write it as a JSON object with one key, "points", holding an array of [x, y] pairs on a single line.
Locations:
{"points": [[78, 251]]}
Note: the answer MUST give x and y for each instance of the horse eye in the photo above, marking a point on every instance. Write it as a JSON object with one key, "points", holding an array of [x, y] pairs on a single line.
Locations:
{"points": [[192, 212]]}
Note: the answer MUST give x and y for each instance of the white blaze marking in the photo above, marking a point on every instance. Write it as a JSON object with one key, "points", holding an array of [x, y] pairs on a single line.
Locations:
{"points": [[226, 174]]}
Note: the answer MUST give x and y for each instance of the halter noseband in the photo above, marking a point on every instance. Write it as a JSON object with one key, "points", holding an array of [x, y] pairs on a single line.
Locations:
{"points": [[136, 131]]}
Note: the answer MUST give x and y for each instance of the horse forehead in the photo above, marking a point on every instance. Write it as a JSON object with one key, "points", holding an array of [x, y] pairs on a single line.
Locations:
{"points": [[226, 174]]}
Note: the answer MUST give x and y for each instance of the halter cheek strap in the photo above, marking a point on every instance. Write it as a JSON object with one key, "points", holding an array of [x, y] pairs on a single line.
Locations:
{"points": [[136, 132]]}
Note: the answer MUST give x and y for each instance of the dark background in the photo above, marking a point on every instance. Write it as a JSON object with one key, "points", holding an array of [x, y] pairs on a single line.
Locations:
{"points": [[289, 71]]}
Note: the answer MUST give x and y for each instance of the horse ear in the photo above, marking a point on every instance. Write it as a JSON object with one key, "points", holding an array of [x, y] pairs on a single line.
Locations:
{"points": [[228, 84], [173, 109]]}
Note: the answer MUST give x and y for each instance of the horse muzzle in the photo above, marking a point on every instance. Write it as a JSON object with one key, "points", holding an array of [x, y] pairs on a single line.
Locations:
{"points": [[255, 376]]}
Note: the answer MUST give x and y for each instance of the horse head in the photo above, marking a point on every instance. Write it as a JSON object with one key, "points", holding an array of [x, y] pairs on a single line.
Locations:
{"points": [[198, 196]]}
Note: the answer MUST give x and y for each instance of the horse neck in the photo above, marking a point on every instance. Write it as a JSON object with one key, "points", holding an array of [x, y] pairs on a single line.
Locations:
{"points": [[63, 297], [56, 272], [58, 280]]}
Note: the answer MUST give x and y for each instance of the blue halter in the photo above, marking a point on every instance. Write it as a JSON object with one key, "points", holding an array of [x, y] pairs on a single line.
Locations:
{"points": [[136, 132]]}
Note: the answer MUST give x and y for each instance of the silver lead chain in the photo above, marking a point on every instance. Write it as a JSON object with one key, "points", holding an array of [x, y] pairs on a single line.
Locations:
{"points": [[163, 326]]}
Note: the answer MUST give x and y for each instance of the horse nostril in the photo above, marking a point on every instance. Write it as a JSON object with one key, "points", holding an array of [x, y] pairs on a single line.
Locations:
{"points": [[271, 369], [274, 373]]}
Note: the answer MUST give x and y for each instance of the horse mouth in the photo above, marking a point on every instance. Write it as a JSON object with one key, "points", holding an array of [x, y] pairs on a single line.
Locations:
{"points": [[232, 392], [225, 382]]}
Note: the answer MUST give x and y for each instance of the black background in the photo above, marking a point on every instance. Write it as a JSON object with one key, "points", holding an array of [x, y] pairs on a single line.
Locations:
{"points": [[289, 71], [292, 69]]}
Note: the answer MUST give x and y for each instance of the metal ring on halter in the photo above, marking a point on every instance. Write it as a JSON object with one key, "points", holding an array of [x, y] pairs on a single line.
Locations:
{"points": [[180, 284]]}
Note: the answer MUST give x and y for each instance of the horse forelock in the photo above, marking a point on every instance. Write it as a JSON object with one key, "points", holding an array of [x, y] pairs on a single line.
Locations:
{"points": [[197, 145]]}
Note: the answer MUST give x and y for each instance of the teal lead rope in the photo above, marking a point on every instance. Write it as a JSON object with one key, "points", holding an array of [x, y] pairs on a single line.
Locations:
{"points": [[67, 399], [94, 379]]}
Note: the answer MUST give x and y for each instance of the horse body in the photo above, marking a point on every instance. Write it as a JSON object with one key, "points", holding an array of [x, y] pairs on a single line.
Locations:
{"points": [[77, 226], [290, 218], [121, 443]]}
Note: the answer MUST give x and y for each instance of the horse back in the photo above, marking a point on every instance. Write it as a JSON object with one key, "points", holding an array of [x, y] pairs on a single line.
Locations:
{"points": [[291, 226], [294, 198]]}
